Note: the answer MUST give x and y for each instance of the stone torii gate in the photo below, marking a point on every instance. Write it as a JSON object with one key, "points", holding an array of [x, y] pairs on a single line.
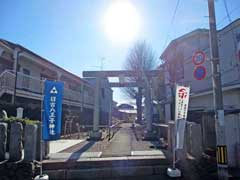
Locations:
{"points": [[123, 73]]}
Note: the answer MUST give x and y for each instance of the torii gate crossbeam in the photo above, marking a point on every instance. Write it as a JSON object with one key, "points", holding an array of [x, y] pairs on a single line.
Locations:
{"points": [[125, 73]]}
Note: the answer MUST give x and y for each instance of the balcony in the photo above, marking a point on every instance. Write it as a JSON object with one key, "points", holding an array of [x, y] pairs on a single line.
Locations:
{"points": [[31, 87]]}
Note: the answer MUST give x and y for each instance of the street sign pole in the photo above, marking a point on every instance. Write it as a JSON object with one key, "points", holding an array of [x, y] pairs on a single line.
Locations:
{"points": [[41, 142], [181, 110], [217, 95], [41, 176]]}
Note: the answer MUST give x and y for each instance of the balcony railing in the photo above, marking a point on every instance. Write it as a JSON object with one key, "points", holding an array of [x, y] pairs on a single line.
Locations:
{"points": [[7, 81], [34, 85]]}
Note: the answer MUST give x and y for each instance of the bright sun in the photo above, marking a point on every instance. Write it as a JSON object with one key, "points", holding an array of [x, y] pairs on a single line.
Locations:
{"points": [[121, 21]]}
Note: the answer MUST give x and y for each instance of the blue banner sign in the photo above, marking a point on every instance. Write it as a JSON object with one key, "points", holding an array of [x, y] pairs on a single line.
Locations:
{"points": [[52, 116]]}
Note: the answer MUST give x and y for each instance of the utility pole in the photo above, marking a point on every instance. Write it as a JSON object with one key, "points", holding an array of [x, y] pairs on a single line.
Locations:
{"points": [[217, 97]]}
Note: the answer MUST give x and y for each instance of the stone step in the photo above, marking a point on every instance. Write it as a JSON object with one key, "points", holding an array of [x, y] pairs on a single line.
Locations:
{"points": [[147, 153], [106, 173], [91, 162], [67, 166], [74, 156]]}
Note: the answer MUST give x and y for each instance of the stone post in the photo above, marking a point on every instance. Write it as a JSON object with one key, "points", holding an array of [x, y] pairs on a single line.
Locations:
{"points": [[3, 140], [19, 112], [15, 145], [196, 140], [30, 142]]}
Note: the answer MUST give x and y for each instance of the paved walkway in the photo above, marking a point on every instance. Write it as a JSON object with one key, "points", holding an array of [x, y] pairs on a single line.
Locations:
{"points": [[122, 142], [126, 142], [59, 145]]}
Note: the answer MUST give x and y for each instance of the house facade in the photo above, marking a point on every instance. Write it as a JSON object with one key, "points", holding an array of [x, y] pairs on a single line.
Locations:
{"points": [[179, 67], [32, 70]]}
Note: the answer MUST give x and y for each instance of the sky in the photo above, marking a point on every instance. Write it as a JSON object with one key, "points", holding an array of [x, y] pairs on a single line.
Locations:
{"points": [[71, 34]]}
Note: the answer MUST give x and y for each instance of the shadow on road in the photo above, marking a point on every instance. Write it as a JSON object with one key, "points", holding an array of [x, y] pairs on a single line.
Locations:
{"points": [[77, 154]]}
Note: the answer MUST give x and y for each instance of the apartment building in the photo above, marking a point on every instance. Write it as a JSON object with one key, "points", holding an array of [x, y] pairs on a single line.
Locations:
{"points": [[32, 69]]}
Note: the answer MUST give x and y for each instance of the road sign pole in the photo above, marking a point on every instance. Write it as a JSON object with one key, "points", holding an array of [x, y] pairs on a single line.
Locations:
{"points": [[217, 91], [41, 176], [41, 139]]}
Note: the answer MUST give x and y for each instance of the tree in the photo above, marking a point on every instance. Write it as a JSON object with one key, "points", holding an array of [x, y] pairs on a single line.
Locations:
{"points": [[141, 58]]}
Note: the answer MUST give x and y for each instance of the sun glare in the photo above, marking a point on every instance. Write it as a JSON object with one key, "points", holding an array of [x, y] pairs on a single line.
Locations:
{"points": [[121, 21]]}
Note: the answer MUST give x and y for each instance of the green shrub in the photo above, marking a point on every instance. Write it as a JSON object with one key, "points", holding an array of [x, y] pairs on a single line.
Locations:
{"points": [[22, 120]]}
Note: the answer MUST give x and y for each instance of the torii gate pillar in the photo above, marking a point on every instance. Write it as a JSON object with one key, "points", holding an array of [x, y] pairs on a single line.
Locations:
{"points": [[148, 134], [96, 134]]}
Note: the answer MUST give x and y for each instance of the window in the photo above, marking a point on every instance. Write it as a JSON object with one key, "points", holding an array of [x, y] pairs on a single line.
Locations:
{"points": [[26, 78]]}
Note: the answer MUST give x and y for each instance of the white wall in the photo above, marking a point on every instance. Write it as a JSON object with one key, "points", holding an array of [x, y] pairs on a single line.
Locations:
{"points": [[231, 99]]}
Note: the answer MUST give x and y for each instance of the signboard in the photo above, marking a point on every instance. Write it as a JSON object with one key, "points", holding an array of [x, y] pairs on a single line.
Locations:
{"points": [[181, 109], [52, 116], [200, 72], [198, 57]]}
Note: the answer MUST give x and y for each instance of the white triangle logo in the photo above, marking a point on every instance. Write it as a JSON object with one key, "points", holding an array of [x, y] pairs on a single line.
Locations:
{"points": [[54, 90]]}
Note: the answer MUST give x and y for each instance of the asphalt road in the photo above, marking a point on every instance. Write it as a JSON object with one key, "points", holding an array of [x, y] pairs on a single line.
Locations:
{"points": [[121, 144]]}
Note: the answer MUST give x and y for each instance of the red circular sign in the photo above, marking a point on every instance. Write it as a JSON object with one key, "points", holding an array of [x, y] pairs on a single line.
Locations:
{"points": [[198, 57], [200, 72]]}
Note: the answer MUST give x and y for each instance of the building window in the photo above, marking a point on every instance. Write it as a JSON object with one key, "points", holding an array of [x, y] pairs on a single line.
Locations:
{"points": [[26, 78]]}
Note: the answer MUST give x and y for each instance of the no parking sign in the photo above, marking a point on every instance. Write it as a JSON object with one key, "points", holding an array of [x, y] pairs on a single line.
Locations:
{"points": [[200, 72]]}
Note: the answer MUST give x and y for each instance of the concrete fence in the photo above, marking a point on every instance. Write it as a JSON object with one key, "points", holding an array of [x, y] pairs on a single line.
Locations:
{"points": [[232, 129], [194, 139]]}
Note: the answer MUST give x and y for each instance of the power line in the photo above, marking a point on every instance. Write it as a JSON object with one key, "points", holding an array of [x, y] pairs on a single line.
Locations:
{"points": [[227, 12], [172, 20], [230, 21], [226, 17]]}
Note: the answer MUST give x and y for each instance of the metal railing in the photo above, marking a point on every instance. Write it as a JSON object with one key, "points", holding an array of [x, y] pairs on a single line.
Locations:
{"points": [[7, 80], [34, 85]]}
